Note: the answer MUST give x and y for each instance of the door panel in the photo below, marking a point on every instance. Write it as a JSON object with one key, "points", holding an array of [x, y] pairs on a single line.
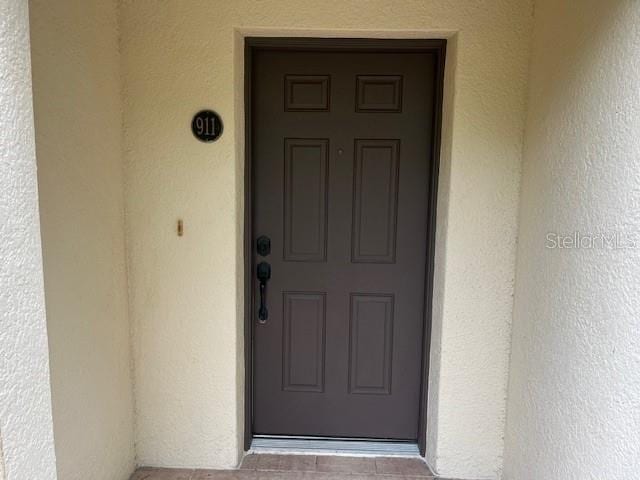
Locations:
{"points": [[371, 344], [303, 342], [341, 146], [375, 201], [306, 185]]}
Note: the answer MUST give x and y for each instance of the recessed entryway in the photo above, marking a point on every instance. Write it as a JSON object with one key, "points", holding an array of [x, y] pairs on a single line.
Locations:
{"points": [[342, 150]]}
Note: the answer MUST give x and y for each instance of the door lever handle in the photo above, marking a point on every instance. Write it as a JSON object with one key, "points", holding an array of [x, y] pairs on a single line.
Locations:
{"points": [[264, 274]]}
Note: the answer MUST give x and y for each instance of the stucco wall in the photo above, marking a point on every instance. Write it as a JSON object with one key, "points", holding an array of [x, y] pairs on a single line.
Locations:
{"points": [[574, 396], [78, 120], [2, 475], [26, 436], [185, 293]]}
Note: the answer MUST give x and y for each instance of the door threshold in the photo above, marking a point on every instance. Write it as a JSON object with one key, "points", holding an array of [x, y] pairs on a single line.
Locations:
{"points": [[333, 446]]}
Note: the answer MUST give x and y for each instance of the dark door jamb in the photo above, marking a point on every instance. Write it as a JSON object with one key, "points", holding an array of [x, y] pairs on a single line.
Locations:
{"points": [[435, 46]]}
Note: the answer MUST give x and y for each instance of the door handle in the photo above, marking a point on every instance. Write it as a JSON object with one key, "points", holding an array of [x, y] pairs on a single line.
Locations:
{"points": [[264, 274]]}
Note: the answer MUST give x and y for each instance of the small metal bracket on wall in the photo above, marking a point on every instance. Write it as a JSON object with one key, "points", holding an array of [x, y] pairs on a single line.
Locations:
{"points": [[180, 228]]}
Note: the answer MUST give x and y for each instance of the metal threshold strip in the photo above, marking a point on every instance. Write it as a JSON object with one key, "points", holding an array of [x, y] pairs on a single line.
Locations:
{"points": [[333, 446]]}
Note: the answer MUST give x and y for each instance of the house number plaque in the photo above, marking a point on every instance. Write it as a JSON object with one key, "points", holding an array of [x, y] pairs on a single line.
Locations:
{"points": [[206, 126]]}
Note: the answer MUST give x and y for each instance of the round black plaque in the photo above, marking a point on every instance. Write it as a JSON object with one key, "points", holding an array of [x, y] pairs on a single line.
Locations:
{"points": [[206, 126]]}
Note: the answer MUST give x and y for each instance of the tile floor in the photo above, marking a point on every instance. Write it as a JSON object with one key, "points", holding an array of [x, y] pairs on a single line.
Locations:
{"points": [[304, 467]]}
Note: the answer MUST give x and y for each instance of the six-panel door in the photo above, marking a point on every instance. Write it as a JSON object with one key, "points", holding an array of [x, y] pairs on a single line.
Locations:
{"points": [[341, 156]]}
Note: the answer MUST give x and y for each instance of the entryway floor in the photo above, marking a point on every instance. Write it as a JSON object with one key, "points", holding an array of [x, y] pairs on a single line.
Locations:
{"points": [[305, 467]]}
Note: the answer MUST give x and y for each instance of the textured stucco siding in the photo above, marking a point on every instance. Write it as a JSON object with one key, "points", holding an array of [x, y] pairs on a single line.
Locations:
{"points": [[574, 396], [2, 475], [78, 127], [26, 436], [186, 293]]}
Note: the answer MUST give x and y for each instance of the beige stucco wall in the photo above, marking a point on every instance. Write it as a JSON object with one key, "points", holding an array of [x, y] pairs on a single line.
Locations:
{"points": [[2, 475], [186, 293], [76, 75], [26, 429], [574, 396]]}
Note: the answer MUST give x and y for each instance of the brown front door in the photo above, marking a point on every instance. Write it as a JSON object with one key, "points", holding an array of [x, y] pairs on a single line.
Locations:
{"points": [[341, 149]]}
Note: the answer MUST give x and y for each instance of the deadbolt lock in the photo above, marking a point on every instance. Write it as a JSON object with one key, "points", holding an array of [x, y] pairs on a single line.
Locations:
{"points": [[263, 245]]}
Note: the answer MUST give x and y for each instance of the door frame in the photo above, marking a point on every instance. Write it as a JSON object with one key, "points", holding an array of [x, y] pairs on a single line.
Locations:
{"points": [[253, 44]]}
